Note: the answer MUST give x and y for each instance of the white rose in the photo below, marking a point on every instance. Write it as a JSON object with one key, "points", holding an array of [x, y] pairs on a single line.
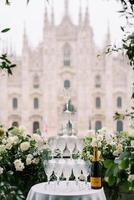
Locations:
{"points": [[2, 148], [35, 161], [19, 165], [116, 153], [15, 139], [4, 141], [37, 137], [10, 140], [119, 148], [1, 170], [24, 146], [29, 159], [131, 177], [99, 137], [8, 146], [132, 143]]}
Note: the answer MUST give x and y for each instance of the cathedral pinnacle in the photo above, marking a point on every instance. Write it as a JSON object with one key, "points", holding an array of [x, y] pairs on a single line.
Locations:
{"points": [[86, 20], [108, 36], [52, 14], [66, 7], [80, 15], [25, 39], [46, 17]]}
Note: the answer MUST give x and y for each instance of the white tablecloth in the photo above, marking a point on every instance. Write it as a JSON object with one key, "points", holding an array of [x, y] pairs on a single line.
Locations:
{"points": [[72, 191]]}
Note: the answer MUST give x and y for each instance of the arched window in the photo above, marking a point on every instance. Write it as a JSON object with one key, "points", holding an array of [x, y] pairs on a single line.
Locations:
{"points": [[119, 126], [36, 126], [98, 81], [15, 103], [66, 84], [36, 103], [98, 102], [67, 55], [36, 81], [119, 102], [98, 125], [15, 123]]}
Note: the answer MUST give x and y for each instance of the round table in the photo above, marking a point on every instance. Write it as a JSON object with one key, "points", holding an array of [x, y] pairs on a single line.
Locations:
{"points": [[65, 191]]}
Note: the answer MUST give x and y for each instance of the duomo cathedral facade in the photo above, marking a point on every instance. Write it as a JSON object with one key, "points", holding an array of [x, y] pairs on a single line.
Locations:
{"points": [[65, 66]]}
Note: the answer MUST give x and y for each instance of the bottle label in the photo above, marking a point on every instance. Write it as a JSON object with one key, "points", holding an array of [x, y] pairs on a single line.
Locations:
{"points": [[95, 181]]}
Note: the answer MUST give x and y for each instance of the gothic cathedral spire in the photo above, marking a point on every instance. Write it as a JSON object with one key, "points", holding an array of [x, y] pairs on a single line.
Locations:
{"points": [[52, 15], [25, 40], [108, 36], [86, 20], [66, 4], [80, 15], [46, 20]]}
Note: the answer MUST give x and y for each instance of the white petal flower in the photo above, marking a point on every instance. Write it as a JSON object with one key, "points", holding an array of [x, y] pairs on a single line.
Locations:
{"points": [[35, 161], [4, 141], [131, 177], [38, 139], [24, 146], [8, 146], [115, 153], [19, 165], [29, 159], [10, 140], [2, 148], [132, 143], [99, 137], [1, 170]]}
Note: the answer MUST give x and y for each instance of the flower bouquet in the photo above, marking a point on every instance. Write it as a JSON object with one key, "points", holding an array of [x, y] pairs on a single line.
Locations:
{"points": [[21, 158]]}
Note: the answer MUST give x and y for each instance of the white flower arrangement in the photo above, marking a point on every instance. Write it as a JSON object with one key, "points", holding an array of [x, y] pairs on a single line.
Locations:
{"points": [[24, 146], [19, 165], [21, 149]]}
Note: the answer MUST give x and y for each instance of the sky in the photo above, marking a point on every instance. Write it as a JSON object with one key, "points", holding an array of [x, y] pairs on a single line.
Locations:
{"points": [[19, 14]]}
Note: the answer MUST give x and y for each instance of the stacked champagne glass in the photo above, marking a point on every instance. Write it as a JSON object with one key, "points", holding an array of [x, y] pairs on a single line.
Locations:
{"points": [[66, 163]]}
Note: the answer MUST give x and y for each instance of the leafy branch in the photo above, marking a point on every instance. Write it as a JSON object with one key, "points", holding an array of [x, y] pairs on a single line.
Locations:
{"points": [[6, 64]]}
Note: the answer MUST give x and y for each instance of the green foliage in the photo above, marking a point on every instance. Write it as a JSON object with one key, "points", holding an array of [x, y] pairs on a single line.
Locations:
{"points": [[117, 157], [5, 30], [5, 64], [21, 162]]}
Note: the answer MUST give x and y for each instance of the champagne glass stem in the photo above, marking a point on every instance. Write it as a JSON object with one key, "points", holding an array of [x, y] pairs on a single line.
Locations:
{"points": [[71, 155], [76, 180], [58, 180]]}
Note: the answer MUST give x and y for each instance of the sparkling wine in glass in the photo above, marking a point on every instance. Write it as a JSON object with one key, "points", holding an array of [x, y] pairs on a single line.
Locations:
{"points": [[58, 171], [48, 170], [67, 170], [76, 172], [71, 146], [80, 145], [61, 145], [53, 146]]}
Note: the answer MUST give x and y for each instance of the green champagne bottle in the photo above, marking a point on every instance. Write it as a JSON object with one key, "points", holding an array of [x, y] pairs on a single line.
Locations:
{"points": [[96, 171]]}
